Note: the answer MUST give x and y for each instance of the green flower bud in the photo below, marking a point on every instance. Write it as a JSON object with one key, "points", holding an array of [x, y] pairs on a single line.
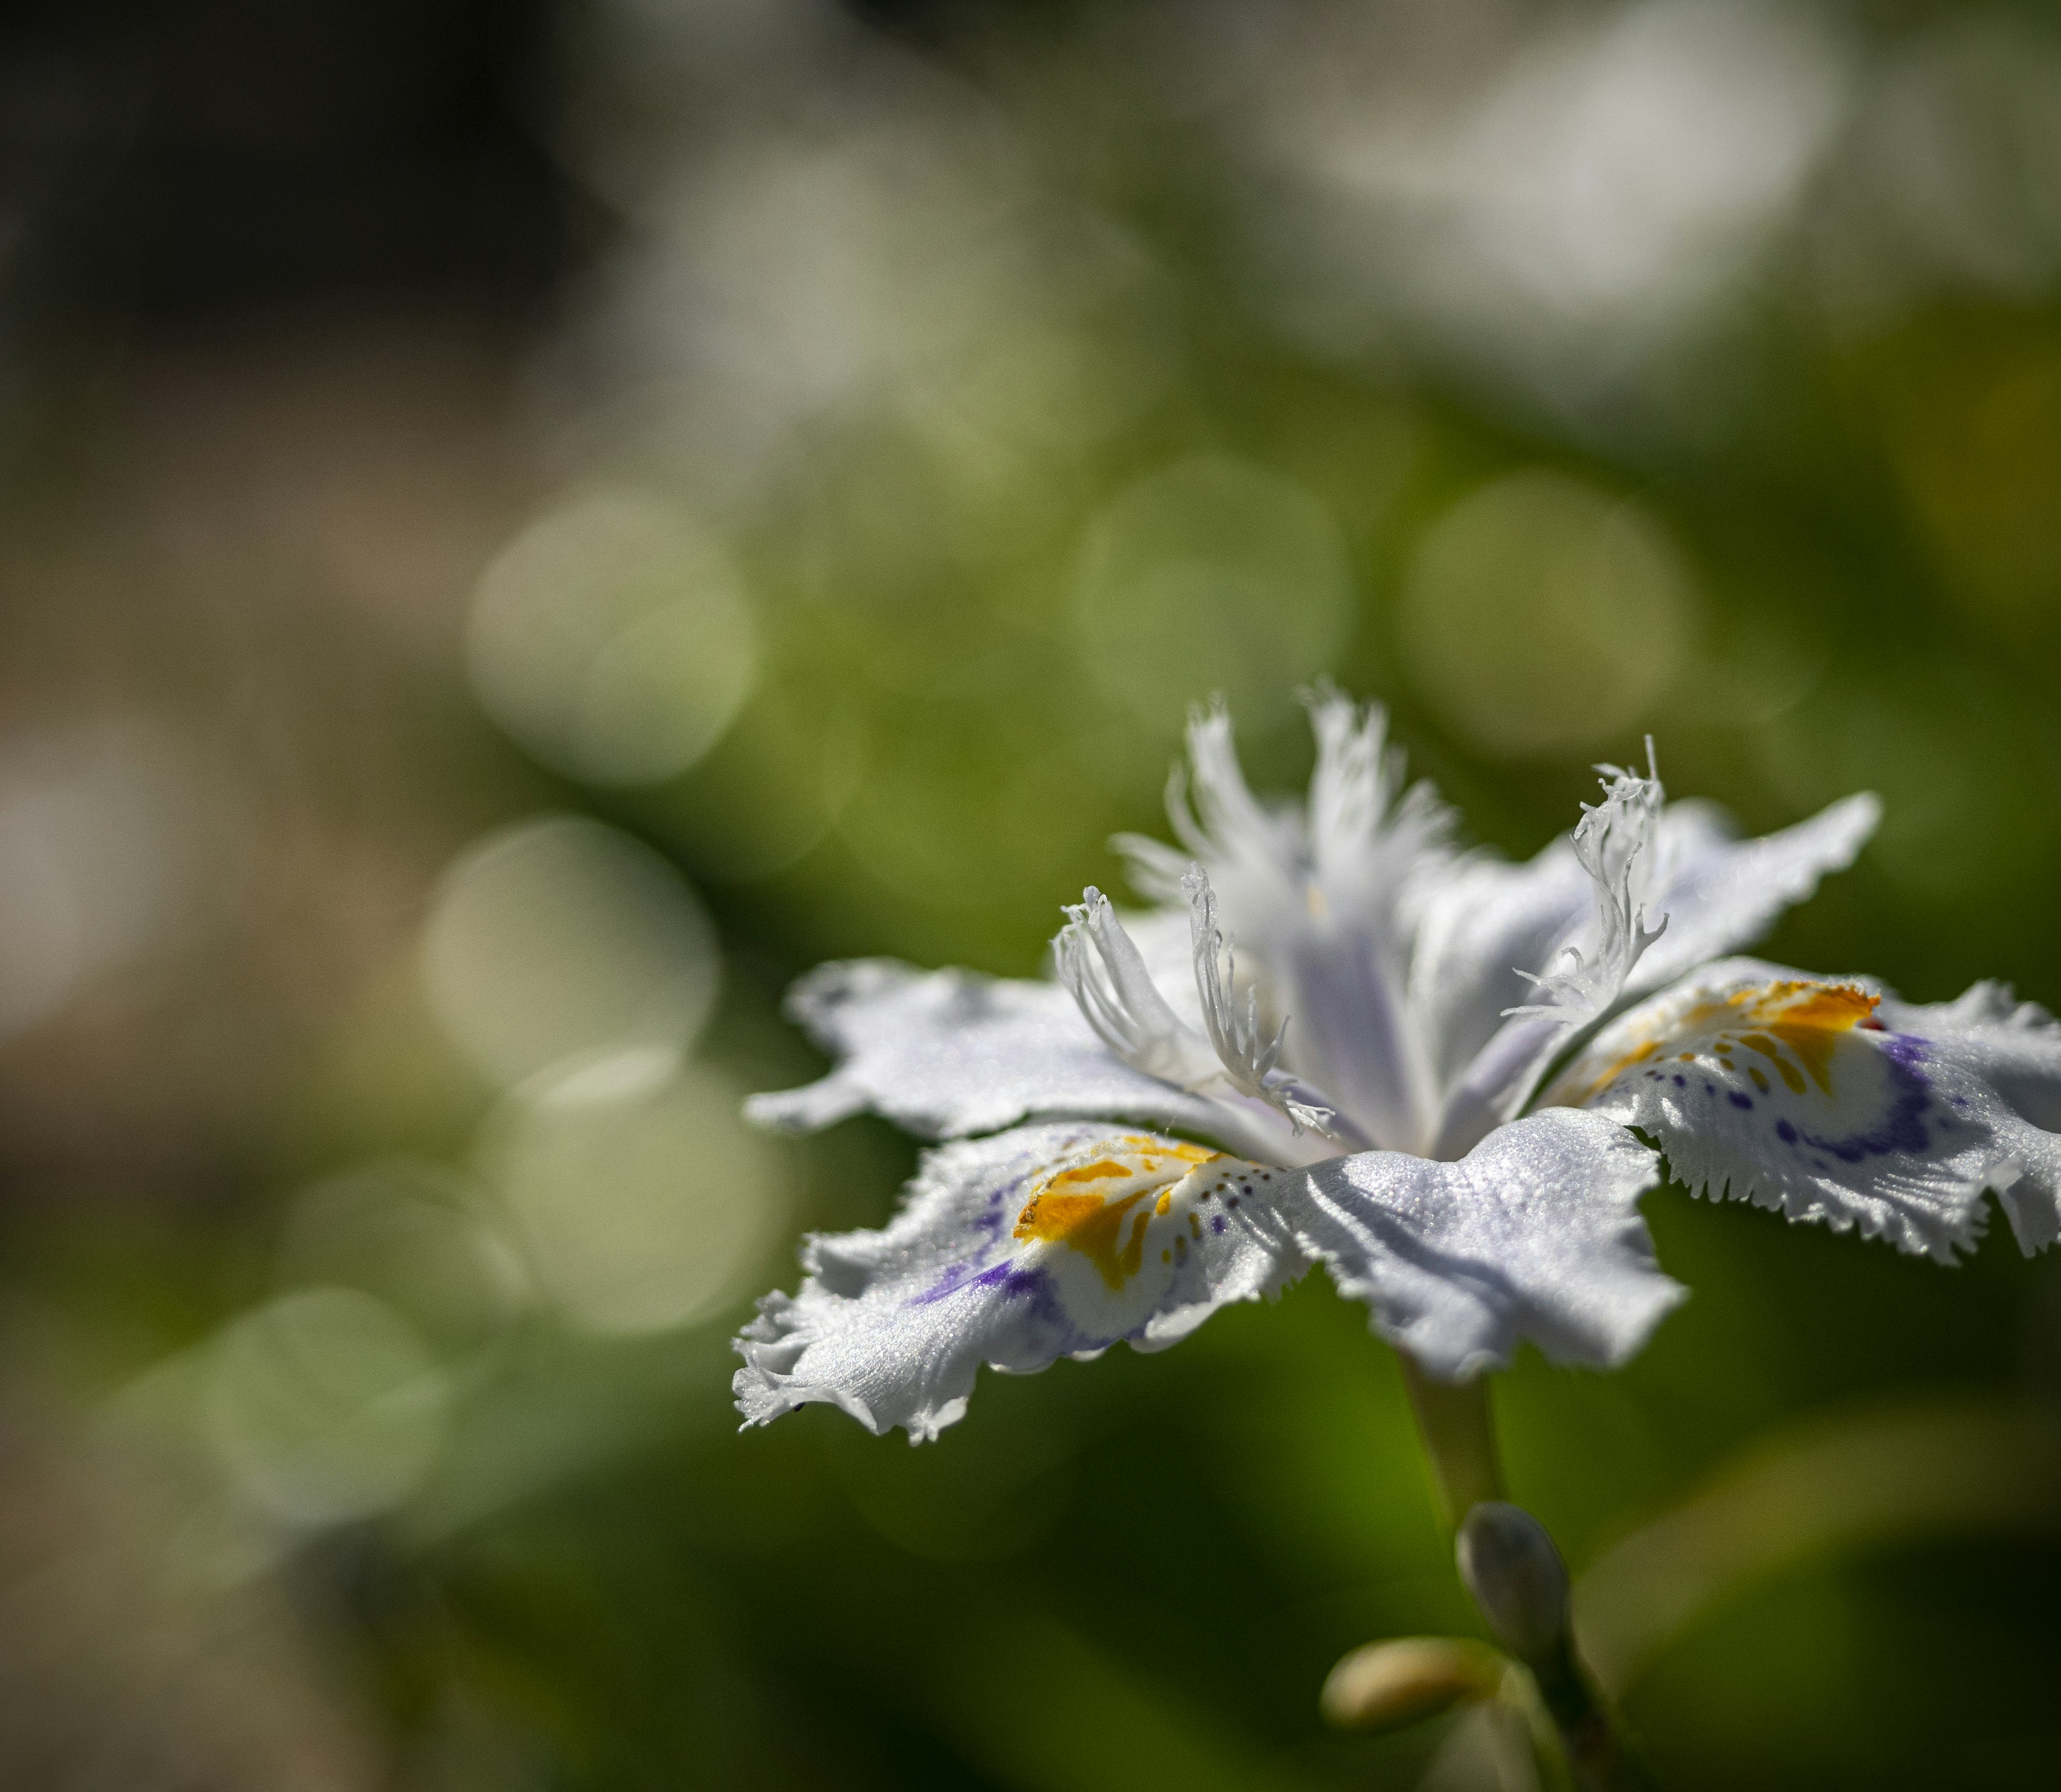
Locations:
{"points": [[1517, 1577]]}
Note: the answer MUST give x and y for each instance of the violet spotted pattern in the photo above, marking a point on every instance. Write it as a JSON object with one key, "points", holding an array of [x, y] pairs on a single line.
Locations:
{"points": [[1339, 1039]]}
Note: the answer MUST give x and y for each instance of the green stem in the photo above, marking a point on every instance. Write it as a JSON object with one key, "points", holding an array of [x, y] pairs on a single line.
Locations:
{"points": [[1549, 1752], [1459, 1438], [1598, 1751], [1453, 1419]]}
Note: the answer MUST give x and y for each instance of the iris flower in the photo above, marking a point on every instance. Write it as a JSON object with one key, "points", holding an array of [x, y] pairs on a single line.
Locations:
{"points": [[1338, 1038]]}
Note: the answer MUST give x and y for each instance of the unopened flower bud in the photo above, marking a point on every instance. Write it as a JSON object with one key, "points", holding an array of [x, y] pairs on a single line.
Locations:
{"points": [[1517, 1577], [1387, 1685]]}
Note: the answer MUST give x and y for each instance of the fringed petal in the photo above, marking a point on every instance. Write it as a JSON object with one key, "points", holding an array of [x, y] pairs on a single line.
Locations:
{"points": [[1061, 1240], [1013, 1251], [2005, 1055], [1826, 1100]]}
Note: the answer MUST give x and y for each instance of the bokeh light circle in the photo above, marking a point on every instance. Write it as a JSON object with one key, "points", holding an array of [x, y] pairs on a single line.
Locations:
{"points": [[638, 1211], [415, 1236], [560, 945], [614, 639], [325, 1405], [1542, 616], [1211, 575]]}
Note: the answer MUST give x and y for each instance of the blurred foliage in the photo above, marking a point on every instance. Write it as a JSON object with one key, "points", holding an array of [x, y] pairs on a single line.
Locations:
{"points": [[437, 723]]}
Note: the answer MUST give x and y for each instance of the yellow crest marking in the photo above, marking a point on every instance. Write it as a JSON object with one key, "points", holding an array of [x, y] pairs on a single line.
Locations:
{"points": [[1069, 1207], [1795, 1024]]}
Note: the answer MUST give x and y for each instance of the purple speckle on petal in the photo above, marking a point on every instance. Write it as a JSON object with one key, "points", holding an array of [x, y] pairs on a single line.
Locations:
{"points": [[1006, 1277], [1745, 1101], [1902, 1128], [1002, 1201], [1217, 1224], [1785, 1132], [1681, 1082]]}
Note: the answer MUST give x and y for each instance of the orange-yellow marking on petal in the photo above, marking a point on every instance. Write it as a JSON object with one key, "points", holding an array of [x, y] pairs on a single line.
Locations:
{"points": [[1806, 1017], [1772, 1052], [1092, 1225], [1811, 1027], [1066, 1209], [1618, 1066]]}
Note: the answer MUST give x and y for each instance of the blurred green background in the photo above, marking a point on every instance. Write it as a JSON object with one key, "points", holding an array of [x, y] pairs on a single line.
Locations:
{"points": [[526, 527]]}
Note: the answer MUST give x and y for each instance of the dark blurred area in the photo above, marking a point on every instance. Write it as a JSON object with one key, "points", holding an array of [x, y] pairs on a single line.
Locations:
{"points": [[523, 528], [200, 165]]}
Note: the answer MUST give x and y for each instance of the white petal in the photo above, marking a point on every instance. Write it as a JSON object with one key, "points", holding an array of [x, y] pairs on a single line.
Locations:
{"points": [[1246, 1054], [1344, 968], [1255, 852], [1720, 893], [1495, 1086], [1821, 1099], [1602, 934], [1046, 1241], [951, 1053], [1535, 1233], [1166, 941], [1483, 925], [2005, 1057], [1371, 837]]}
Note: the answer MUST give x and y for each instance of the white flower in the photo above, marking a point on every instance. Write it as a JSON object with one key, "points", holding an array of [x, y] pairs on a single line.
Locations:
{"points": [[1164, 1127]]}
